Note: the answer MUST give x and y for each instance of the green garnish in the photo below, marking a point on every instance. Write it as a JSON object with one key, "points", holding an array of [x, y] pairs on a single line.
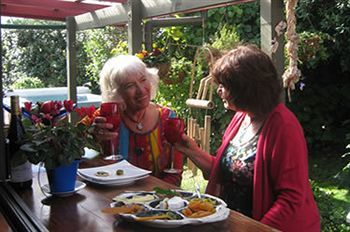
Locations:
{"points": [[167, 192]]}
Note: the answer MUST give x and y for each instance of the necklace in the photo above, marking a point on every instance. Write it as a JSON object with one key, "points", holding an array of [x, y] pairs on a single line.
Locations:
{"points": [[139, 124], [244, 132]]}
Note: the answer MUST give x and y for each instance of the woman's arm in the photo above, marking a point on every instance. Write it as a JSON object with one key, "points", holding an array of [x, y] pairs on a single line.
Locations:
{"points": [[199, 157], [289, 174]]}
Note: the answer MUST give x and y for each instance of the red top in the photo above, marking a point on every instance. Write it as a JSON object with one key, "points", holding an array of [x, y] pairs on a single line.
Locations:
{"points": [[282, 196]]}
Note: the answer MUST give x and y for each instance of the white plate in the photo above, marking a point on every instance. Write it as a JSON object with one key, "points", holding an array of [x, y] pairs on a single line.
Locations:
{"points": [[131, 172], [116, 181], [222, 212], [113, 183], [78, 186]]}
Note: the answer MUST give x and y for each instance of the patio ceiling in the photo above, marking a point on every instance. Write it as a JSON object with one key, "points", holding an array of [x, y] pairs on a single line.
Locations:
{"points": [[56, 10], [59, 10]]}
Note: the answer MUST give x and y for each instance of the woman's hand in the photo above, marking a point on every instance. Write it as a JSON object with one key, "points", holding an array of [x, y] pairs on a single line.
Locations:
{"points": [[187, 146], [102, 129]]}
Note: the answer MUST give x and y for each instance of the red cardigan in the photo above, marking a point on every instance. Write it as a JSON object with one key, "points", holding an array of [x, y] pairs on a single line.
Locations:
{"points": [[282, 195]]}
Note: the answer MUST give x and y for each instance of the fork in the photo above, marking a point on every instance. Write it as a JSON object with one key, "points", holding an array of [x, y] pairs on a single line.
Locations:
{"points": [[197, 189]]}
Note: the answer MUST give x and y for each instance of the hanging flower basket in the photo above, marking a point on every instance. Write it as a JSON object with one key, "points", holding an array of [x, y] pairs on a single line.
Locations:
{"points": [[157, 58], [163, 70], [174, 79]]}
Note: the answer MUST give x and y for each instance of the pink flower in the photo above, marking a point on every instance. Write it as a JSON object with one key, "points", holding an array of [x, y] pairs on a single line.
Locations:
{"points": [[36, 119]]}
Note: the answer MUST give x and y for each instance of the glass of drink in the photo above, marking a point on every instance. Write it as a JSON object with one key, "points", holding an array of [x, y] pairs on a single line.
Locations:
{"points": [[109, 110], [173, 130]]}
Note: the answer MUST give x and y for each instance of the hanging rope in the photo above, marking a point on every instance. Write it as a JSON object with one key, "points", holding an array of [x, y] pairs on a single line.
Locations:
{"points": [[292, 73]]}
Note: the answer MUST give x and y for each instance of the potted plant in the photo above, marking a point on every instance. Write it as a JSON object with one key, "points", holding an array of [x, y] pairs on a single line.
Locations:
{"points": [[156, 58], [52, 140]]}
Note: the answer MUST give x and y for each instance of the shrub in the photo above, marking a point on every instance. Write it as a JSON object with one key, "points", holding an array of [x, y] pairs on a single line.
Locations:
{"points": [[27, 82]]}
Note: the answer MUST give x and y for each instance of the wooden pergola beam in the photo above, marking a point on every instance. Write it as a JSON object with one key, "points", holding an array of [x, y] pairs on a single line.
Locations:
{"points": [[271, 13], [118, 14], [134, 11]]}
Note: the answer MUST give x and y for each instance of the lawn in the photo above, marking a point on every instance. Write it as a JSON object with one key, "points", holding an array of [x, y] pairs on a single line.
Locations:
{"points": [[332, 197]]}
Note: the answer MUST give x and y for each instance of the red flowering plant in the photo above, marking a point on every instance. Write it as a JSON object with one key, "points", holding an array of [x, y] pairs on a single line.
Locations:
{"points": [[50, 138], [154, 58]]}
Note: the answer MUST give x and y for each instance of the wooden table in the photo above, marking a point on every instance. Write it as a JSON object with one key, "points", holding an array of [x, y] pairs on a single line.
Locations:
{"points": [[4, 226], [82, 211]]}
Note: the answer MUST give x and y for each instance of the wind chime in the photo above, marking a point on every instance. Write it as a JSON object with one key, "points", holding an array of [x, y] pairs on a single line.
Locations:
{"points": [[203, 100]]}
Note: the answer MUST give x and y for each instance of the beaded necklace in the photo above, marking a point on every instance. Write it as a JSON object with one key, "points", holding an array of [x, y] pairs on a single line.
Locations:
{"points": [[139, 124]]}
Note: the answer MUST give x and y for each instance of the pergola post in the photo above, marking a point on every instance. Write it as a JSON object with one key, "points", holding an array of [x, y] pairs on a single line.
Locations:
{"points": [[71, 63], [134, 26], [271, 13]]}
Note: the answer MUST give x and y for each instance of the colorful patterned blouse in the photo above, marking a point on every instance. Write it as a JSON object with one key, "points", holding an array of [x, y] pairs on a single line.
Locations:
{"points": [[238, 170], [150, 150]]}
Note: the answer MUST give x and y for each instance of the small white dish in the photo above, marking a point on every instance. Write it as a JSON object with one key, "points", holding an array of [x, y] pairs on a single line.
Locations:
{"points": [[78, 186]]}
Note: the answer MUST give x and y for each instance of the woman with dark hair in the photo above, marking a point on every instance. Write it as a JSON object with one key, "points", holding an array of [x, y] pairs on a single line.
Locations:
{"points": [[261, 167]]}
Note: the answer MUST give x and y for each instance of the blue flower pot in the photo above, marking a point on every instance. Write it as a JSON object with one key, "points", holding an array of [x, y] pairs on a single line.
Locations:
{"points": [[62, 179]]}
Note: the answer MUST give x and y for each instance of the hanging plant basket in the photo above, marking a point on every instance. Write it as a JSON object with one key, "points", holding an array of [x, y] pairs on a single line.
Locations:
{"points": [[163, 70], [174, 79]]}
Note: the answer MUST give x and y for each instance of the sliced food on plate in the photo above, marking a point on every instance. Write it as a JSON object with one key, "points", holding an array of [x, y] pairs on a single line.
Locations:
{"points": [[168, 208]]}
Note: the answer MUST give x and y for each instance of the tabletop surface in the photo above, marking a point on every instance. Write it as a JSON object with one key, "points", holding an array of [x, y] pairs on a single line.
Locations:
{"points": [[82, 211]]}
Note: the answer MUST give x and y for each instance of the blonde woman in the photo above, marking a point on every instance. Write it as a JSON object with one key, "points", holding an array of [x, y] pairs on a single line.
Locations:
{"points": [[127, 80]]}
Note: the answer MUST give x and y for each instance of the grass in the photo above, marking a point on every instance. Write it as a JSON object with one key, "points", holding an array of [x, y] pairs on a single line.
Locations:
{"points": [[189, 178], [332, 197]]}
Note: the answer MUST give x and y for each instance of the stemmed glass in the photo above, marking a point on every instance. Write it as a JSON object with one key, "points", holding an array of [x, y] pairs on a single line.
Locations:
{"points": [[109, 110], [173, 130]]}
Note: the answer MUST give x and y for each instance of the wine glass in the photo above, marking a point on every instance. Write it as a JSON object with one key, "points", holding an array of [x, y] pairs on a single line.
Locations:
{"points": [[173, 130], [109, 110]]}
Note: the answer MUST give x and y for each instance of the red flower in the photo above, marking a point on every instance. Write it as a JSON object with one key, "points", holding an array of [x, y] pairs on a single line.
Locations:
{"points": [[156, 52], [51, 107], [91, 111], [28, 106], [86, 111], [47, 107], [68, 105]]}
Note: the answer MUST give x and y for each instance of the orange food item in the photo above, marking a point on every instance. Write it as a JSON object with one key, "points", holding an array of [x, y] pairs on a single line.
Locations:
{"points": [[198, 208], [127, 209], [200, 214], [187, 212]]}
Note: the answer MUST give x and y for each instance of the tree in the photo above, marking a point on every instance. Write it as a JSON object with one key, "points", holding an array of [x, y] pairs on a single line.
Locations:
{"points": [[38, 53]]}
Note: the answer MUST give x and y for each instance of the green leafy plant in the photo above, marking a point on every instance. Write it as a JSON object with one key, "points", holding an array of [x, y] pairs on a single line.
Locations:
{"points": [[27, 82], [50, 138], [312, 50]]}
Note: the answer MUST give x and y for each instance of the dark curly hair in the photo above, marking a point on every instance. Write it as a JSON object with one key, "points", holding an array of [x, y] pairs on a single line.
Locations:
{"points": [[251, 79]]}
